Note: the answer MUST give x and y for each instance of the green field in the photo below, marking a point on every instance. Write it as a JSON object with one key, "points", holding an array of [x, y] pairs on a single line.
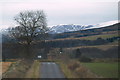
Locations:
{"points": [[106, 70]]}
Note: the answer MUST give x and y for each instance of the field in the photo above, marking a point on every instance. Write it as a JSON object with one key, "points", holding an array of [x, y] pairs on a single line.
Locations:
{"points": [[5, 66], [106, 70], [94, 37], [102, 36]]}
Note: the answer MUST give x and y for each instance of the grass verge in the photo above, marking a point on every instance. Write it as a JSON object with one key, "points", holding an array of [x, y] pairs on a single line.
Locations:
{"points": [[66, 71], [34, 70], [5, 66]]}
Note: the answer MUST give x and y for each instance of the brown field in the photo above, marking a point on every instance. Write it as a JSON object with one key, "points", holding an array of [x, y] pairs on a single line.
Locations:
{"points": [[5, 66], [94, 37]]}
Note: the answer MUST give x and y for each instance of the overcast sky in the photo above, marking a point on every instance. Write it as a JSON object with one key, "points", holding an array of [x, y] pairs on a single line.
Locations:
{"points": [[82, 12]]}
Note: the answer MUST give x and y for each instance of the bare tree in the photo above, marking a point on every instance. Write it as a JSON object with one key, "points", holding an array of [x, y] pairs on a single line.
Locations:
{"points": [[30, 25]]}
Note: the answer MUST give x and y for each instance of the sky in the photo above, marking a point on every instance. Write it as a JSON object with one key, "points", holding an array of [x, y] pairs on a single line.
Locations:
{"points": [[82, 12]]}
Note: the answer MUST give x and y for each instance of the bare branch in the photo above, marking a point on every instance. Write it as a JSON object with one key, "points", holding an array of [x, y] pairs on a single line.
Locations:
{"points": [[31, 24]]}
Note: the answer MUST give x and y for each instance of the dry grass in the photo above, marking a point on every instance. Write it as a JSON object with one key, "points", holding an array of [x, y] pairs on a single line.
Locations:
{"points": [[5, 66], [34, 70], [67, 72], [94, 37], [73, 66], [74, 69], [17, 69], [102, 47]]}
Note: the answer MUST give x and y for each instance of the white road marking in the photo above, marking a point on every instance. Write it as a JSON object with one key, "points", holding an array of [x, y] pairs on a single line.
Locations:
{"points": [[48, 63], [53, 63]]}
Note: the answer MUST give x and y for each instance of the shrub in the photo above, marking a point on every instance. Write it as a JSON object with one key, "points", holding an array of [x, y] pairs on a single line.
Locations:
{"points": [[84, 72], [73, 65], [81, 71]]}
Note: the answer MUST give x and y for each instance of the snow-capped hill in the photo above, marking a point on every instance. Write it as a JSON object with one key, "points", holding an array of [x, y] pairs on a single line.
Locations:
{"points": [[73, 27], [104, 24], [67, 28], [107, 23], [61, 28]]}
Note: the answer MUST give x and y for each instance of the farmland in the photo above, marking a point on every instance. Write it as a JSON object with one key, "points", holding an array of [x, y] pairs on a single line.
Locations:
{"points": [[5, 66], [104, 36], [107, 70], [70, 53], [93, 37]]}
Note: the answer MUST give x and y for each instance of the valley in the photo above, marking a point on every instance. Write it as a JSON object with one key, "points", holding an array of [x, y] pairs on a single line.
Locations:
{"points": [[88, 51]]}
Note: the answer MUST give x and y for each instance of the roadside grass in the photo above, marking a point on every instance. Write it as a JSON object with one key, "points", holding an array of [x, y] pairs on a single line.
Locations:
{"points": [[66, 71], [19, 69], [5, 66], [73, 69], [34, 70], [106, 70]]}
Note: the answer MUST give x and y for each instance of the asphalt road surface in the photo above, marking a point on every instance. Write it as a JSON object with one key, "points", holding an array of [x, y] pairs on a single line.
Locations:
{"points": [[50, 70]]}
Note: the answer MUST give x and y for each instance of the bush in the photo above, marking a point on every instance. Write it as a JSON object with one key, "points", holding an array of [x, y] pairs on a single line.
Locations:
{"points": [[73, 65], [81, 71], [84, 72], [85, 59]]}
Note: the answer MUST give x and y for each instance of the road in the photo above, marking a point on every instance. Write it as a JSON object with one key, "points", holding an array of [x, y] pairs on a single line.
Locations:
{"points": [[50, 70]]}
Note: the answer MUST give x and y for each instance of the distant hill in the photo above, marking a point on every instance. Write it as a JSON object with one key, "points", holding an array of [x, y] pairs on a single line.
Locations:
{"points": [[70, 40], [62, 28], [67, 28], [112, 29], [74, 31]]}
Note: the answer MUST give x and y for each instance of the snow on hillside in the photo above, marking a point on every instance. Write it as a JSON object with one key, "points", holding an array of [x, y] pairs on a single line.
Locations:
{"points": [[61, 28], [73, 27]]}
